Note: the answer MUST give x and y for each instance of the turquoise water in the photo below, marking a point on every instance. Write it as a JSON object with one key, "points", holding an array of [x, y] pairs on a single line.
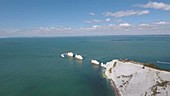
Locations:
{"points": [[33, 66]]}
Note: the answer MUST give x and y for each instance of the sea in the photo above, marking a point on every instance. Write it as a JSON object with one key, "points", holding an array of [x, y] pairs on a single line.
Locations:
{"points": [[34, 66]]}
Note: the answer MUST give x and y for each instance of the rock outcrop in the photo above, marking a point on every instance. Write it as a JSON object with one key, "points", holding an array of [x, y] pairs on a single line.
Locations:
{"points": [[135, 79]]}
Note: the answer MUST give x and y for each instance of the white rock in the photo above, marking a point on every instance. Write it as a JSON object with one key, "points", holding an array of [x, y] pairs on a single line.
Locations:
{"points": [[78, 57], [103, 65], [62, 55], [70, 54], [95, 62]]}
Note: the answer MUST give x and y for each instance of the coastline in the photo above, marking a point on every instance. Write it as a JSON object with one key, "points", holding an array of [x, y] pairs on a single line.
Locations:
{"points": [[125, 78], [115, 89]]}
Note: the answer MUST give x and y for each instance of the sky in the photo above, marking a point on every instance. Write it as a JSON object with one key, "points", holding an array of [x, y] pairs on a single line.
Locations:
{"points": [[50, 18]]}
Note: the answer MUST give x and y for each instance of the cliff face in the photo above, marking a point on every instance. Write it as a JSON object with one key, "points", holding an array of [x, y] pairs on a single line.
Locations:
{"points": [[135, 79]]}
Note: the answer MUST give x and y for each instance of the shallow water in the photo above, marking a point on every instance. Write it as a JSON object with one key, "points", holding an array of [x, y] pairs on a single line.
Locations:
{"points": [[34, 67]]}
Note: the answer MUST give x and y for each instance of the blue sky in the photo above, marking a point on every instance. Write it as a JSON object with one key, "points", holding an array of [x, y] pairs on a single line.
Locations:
{"points": [[83, 17]]}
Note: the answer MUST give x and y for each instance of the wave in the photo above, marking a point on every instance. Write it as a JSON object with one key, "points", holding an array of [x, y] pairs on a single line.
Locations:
{"points": [[163, 62]]}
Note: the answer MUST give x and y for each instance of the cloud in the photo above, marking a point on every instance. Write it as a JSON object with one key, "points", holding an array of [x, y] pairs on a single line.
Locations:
{"points": [[93, 21], [143, 25], [161, 22], [158, 27], [156, 5], [92, 13], [118, 20], [95, 26], [97, 20], [161, 27], [124, 25], [126, 13], [108, 20], [129, 29]]}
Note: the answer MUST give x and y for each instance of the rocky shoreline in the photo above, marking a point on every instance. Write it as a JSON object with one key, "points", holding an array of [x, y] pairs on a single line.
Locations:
{"points": [[130, 78]]}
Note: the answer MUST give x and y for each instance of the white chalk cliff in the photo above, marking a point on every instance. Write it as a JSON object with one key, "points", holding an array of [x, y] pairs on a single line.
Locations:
{"points": [[70, 54], [79, 57], [134, 79]]}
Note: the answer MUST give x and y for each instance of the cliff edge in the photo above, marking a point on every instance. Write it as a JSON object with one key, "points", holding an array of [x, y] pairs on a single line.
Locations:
{"points": [[135, 79]]}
